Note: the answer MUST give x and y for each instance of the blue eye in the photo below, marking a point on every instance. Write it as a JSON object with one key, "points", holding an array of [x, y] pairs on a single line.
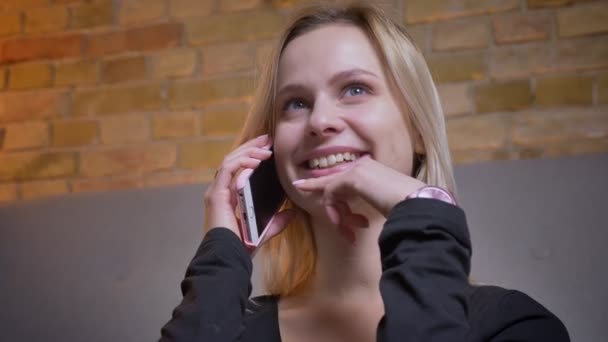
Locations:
{"points": [[356, 90], [294, 105]]}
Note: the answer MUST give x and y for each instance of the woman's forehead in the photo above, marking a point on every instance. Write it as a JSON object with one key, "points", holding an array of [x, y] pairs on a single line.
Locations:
{"points": [[329, 49]]}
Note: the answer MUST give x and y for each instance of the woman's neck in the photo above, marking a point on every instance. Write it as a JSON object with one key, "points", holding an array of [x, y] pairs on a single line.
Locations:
{"points": [[347, 269]]}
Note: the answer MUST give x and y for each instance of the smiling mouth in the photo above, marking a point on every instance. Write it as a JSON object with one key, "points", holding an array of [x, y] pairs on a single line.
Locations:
{"points": [[332, 160]]}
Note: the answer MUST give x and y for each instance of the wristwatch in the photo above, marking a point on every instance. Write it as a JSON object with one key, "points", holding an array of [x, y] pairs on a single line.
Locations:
{"points": [[433, 192]]}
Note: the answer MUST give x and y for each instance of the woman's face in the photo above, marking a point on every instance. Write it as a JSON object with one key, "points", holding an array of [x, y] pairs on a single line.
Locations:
{"points": [[334, 100]]}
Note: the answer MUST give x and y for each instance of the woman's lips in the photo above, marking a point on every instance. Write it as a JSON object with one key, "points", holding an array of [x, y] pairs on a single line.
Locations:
{"points": [[315, 173]]}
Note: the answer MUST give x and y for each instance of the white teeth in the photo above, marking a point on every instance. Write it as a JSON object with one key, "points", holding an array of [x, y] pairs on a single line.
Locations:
{"points": [[332, 160]]}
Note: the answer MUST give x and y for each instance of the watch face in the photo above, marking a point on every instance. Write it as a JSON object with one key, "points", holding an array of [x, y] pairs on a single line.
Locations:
{"points": [[436, 193]]}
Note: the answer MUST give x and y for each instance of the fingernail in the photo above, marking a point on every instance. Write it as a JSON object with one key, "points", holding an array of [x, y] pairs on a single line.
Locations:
{"points": [[299, 181], [267, 146]]}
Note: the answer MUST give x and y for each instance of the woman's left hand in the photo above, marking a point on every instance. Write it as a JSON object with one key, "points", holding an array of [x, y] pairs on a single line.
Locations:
{"points": [[381, 186]]}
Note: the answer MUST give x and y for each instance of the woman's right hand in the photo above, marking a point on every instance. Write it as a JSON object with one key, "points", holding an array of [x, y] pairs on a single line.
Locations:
{"points": [[220, 198]]}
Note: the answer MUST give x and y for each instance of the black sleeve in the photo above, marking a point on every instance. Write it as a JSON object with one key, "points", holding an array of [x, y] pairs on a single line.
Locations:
{"points": [[526, 320], [216, 290], [425, 252]]}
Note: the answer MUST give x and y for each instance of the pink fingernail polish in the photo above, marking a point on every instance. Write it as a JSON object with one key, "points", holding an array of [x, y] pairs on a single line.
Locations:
{"points": [[299, 181]]}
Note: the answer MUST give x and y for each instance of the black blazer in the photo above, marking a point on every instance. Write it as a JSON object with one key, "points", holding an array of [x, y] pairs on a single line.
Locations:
{"points": [[425, 255]]}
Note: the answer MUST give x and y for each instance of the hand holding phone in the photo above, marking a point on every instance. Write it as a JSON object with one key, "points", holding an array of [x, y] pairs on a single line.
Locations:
{"points": [[259, 196]]}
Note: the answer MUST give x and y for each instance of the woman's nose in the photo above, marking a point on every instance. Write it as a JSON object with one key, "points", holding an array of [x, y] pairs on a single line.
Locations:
{"points": [[325, 120]]}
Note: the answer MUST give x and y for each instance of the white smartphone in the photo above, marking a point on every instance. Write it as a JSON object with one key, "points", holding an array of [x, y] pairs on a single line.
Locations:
{"points": [[259, 196]]}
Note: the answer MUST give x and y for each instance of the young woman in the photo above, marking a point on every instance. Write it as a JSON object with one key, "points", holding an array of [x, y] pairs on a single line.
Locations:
{"points": [[371, 245]]}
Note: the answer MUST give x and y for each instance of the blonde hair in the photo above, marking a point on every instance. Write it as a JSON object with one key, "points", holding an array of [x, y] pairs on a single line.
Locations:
{"points": [[291, 256]]}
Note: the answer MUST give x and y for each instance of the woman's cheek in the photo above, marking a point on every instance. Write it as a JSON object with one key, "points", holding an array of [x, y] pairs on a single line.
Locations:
{"points": [[284, 169]]}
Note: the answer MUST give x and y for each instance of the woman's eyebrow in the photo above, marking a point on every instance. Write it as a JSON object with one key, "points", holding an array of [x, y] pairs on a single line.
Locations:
{"points": [[346, 74], [336, 78], [289, 88]]}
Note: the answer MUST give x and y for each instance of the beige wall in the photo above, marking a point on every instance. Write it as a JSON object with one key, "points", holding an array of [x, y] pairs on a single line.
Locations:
{"points": [[103, 94]]}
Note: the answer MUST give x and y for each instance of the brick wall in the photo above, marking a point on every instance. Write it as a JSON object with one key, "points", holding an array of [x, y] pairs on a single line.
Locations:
{"points": [[112, 94]]}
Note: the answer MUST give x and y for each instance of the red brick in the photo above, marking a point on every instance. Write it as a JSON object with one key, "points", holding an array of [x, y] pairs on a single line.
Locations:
{"points": [[6, 5], [457, 67], [575, 148], [477, 132], [154, 37], [224, 120], [3, 79], [582, 54], [173, 64], [191, 8], [564, 91], [122, 129], [234, 27], [461, 34], [455, 98], [583, 20], [521, 61], [40, 189], [263, 52], [33, 105], [420, 34], [228, 58], [124, 69], [433, 10], [239, 5], [46, 19], [99, 185], [548, 3], [602, 89], [107, 43], [71, 133], [117, 100], [34, 165], [139, 11], [204, 154], [10, 24], [199, 93], [496, 97], [479, 156], [24, 135], [92, 14], [290, 3], [135, 160], [74, 73], [8, 192], [30, 75], [41, 47], [521, 27], [67, 2], [542, 128], [175, 125]]}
